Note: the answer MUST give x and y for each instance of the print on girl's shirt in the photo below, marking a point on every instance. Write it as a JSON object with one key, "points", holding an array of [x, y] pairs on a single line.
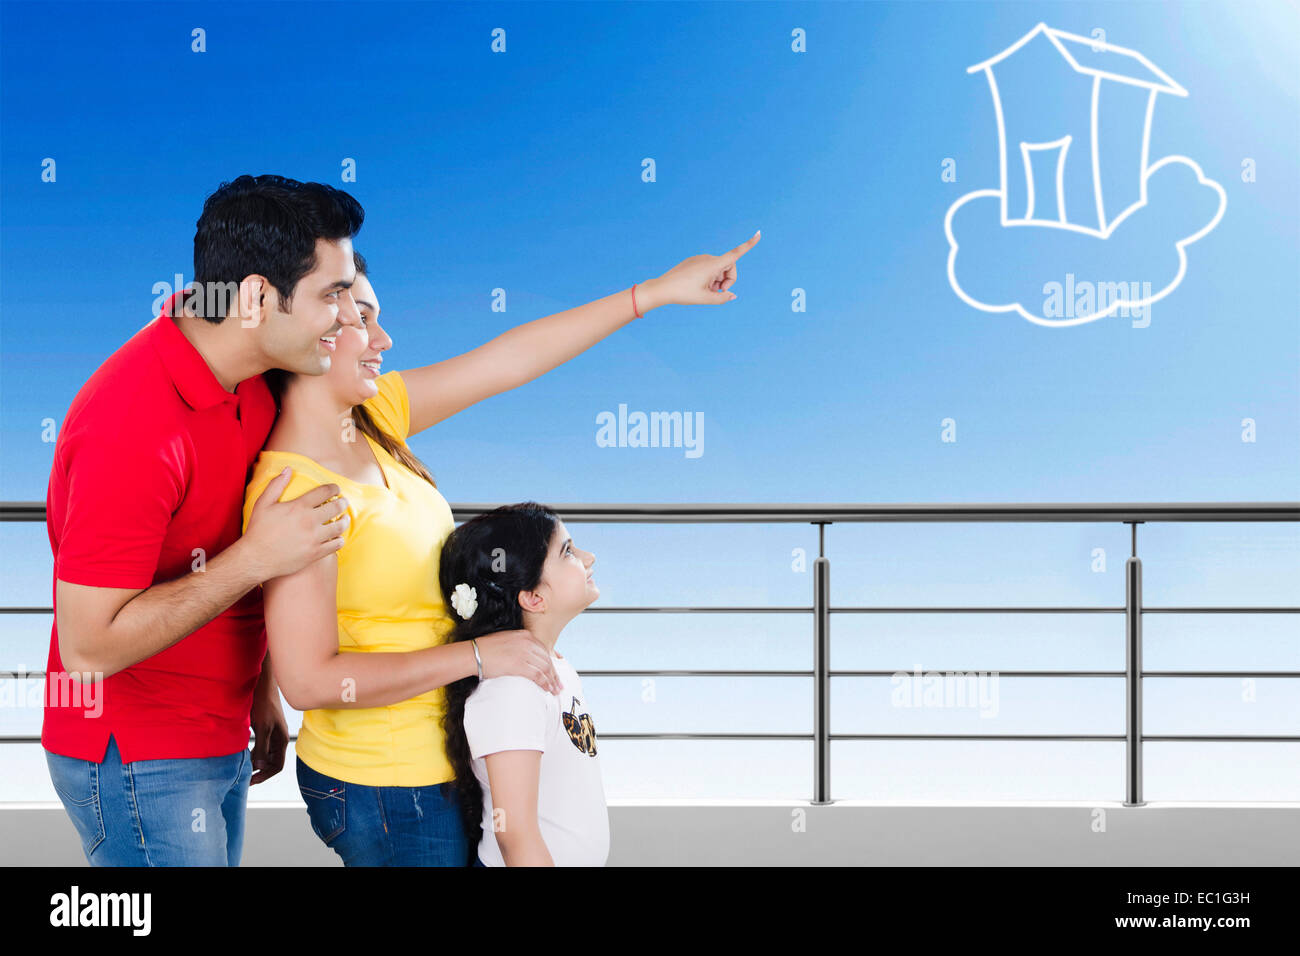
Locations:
{"points": [[581, 730]]}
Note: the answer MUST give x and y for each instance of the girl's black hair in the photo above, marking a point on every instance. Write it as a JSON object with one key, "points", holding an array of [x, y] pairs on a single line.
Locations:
{"points": [[498, 554]]}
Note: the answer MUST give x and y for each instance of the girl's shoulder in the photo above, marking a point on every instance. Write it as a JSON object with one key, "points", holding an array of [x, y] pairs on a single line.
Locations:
{"points": [[509, 713], [563, 664], [506, 689]]}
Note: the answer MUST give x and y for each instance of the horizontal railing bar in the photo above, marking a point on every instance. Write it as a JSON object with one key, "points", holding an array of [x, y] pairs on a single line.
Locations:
{"points": [[892, 673], [1011, 673], [1077, 737], [931, 609], [22, 511], [1283, 674], [1288, 675], [603, 736], [1056, 610], [830, 513], [700, 610], [695, 673], [873, 610], [1115, 737], [649, 736], [1221, 610], [1193, 738], [838, 673]]}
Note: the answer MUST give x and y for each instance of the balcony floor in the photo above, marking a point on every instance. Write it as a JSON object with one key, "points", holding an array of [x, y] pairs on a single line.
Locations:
{"points": [[848, 833]]}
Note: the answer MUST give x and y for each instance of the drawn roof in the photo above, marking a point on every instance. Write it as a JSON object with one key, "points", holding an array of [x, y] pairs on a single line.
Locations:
{"points": [[1086, 55]]}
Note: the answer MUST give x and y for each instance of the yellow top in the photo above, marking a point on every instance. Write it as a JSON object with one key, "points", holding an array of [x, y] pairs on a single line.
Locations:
{"points": [[388, 600]]}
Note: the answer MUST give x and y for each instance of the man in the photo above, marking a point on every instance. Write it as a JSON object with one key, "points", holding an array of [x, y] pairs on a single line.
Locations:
{"points": [[157, 652]]}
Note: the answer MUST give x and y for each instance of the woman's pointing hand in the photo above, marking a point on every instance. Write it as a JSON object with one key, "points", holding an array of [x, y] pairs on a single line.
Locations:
{"points": [[699, 280]]}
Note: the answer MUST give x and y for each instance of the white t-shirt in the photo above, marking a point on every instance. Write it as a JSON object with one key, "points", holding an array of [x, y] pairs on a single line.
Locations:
{"points": [[513, 713]]}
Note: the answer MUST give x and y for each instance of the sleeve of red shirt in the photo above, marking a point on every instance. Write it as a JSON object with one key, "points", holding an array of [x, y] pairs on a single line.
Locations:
{"points": [[121, 495]]}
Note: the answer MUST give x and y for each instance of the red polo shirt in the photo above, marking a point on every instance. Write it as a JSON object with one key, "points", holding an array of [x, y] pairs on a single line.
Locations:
{"points": [[150, 465]]}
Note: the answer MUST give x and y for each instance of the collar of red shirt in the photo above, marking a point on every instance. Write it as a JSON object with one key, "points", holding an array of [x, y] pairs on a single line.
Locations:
{"points": [[188, 369]]}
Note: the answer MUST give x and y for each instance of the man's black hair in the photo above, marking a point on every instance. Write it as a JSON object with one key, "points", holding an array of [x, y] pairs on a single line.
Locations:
{"points": [[266, 225]]}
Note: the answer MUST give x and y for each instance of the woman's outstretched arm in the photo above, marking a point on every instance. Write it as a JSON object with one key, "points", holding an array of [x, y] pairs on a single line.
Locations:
{"points": [[519, 355]]}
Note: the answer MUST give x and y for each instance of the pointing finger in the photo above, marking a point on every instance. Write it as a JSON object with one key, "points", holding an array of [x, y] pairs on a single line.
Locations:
{"points": [[744, 247]]}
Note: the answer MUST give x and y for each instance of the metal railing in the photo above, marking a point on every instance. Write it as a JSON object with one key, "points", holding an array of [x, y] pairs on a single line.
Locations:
{"points": [[821, 608]]}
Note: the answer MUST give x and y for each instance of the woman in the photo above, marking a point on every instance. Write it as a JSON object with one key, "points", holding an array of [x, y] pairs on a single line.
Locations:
{"points": [[357, 639]]}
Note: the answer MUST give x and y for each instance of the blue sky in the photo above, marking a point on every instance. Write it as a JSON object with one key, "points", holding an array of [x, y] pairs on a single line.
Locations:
{"points": [[523, 171]]}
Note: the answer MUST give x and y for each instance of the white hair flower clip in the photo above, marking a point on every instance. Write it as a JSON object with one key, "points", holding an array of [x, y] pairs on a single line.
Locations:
{"points": [[465, 600]]}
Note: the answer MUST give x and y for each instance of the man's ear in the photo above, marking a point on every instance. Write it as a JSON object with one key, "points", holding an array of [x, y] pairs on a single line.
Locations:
{"points": [[252, 300]]}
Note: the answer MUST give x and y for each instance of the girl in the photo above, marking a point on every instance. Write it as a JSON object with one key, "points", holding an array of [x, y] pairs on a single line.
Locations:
{"points": [[356, 640], [525, 761]]}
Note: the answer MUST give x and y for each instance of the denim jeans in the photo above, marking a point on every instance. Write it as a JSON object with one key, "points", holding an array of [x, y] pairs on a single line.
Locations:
{"points": [[175, 812], [385, 826]]}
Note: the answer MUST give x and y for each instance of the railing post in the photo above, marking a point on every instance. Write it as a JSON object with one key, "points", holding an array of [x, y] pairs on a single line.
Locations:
{"points": [[1133, 678], [822, 677]]}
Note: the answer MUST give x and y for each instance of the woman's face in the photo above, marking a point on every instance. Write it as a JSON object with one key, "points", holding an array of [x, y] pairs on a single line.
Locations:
{"points": [[567, 583], [356, 361]]}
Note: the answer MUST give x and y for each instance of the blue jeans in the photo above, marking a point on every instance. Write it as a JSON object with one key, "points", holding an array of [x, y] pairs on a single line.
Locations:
{"points": [[177, 812], [385, 826]]}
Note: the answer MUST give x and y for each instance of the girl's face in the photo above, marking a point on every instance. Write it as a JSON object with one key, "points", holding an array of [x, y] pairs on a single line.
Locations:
{"points": [[356, 361], [567, 585]]}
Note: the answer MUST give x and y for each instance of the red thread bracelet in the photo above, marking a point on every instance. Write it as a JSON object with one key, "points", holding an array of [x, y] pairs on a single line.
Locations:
{"points": [[634, 311]]}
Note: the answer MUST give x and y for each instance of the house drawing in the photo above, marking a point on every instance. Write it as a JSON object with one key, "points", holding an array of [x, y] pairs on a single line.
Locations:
{"points": [[1074, 134], [1047, 155]]}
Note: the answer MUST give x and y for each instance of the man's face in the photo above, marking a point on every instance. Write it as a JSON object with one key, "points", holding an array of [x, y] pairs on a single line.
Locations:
{"points": [[302, 340]]}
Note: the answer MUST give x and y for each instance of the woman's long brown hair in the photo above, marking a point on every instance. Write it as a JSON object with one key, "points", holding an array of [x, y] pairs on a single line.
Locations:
{"points": [[276, 379]]}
